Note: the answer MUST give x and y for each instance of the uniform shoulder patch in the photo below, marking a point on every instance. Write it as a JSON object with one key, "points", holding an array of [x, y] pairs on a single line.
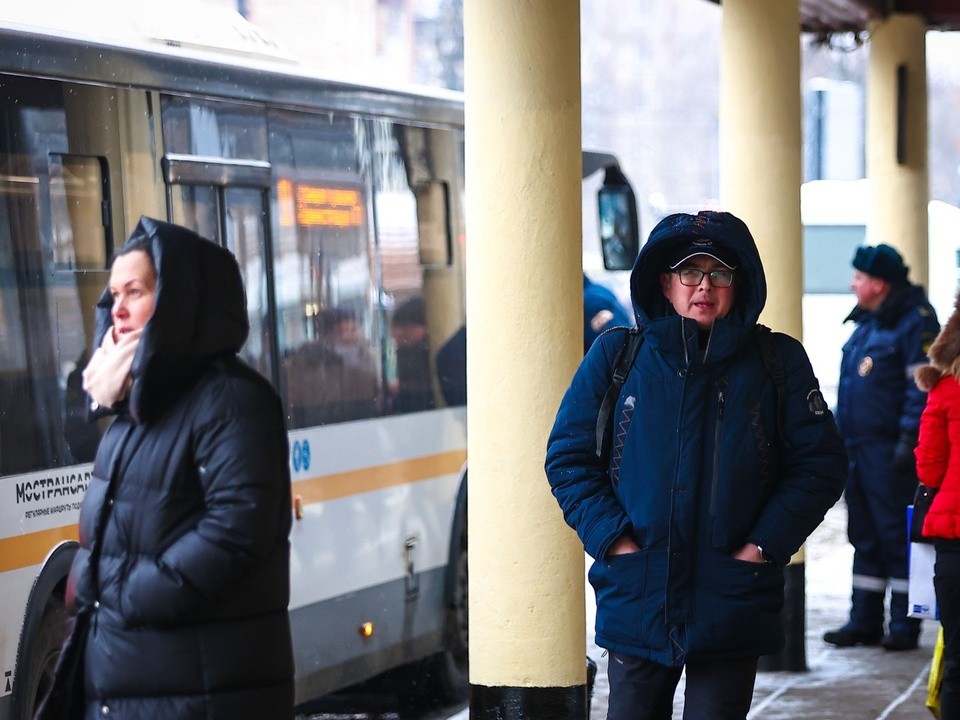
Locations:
{"points": [[815, 403], [598, 321]]}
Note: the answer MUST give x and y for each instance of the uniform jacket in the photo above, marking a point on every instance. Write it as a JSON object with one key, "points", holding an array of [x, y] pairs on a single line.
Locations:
{"points": [[877, 398], [696, 471], [938, 451], [601, 310], [189, 597]]}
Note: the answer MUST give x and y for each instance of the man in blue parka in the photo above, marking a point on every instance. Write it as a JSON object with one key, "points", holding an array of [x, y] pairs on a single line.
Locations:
{"points": [[703, 499], [878, 410]]}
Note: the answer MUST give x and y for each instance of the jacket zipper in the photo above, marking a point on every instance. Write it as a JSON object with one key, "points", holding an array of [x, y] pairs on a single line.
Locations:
{"points": [[618, 441], [715, 475]]}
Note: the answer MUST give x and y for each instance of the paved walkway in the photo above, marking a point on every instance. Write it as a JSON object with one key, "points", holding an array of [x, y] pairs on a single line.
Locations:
{"points": [[840, 684]]}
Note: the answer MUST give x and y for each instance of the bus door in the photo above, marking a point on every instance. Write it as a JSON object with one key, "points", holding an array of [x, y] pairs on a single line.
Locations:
{"points": [[227, 202]]}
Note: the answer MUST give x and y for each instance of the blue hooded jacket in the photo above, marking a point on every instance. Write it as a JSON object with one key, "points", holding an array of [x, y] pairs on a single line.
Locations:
{"points": [[697, 468]]}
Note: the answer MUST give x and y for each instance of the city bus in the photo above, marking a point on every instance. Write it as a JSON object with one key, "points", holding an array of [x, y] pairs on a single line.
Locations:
{"points": [[344, 207]]}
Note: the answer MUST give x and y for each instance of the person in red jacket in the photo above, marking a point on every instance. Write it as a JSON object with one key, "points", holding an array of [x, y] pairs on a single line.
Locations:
{"points": [[938, 466]]}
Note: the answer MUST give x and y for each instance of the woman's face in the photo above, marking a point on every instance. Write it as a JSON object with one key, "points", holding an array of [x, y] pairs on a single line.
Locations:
{"points": [[133, 286]]}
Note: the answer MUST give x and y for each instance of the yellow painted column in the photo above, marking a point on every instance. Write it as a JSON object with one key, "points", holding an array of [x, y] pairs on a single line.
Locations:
{"points": [[897, 140], [524, 307], [761, 146], [760, 174]]}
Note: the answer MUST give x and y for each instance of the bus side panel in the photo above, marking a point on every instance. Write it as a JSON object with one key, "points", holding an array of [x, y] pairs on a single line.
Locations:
{"points": [[330, 652], [394, 498]]}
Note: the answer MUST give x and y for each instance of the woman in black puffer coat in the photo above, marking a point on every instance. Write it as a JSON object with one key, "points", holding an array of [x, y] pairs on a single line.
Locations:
{"points": [[183, 568]]}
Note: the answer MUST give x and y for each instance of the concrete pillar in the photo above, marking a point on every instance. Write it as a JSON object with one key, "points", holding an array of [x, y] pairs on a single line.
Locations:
{"points": [[524, 306], [897, 140], [761, 146], [760, 175]]}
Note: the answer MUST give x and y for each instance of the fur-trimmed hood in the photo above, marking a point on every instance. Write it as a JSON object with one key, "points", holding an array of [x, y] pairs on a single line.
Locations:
{"points": [[944, 350]]}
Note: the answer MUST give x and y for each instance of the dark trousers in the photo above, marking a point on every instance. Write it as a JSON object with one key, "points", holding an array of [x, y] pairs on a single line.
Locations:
{"points": [[947, 583], [877, 498], [644, 690]]}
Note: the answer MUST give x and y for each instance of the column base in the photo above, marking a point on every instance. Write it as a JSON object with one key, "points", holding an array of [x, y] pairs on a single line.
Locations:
{"points": [[793, 657], [527, 703]]}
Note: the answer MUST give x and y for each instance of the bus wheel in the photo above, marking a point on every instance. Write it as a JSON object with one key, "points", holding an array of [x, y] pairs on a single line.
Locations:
{"points": [[450, 671], [35, 669]]}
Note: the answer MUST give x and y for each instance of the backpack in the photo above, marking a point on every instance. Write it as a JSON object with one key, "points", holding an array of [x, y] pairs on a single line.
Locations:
{"points": [[772, 363]]}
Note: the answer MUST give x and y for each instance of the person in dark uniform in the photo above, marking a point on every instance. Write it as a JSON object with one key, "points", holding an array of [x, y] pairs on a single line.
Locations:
{"points": [[452, 368], [601, 310], [412, 391], [878, 411]]}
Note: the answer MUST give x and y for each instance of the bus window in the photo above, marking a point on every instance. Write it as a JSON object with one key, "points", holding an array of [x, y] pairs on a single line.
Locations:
{"points": [[79, 260], [217, 178], [233, 217], [211, 129], [327, 308], [431, 195], [433, 223], [245, 238], [198, 208], [400, 162], [53, 254]]}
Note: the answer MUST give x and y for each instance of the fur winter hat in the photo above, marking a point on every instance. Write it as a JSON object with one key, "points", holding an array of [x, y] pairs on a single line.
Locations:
{"points": [[943, 351], [881, 261]]}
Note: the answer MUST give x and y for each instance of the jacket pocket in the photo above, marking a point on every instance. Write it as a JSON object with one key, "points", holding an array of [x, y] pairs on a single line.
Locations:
{"points": [[738, 605], [623, 606], [745, 587]]}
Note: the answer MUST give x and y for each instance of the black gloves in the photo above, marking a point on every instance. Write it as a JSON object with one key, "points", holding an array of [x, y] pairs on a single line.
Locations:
{"points": [[904, 461]]}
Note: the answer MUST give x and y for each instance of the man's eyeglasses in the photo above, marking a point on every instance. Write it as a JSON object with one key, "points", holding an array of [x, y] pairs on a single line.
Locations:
{"points": [[691, 277]]}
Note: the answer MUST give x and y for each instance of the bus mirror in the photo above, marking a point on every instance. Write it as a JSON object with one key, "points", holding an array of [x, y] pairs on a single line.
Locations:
{"points": [[619, 225]]}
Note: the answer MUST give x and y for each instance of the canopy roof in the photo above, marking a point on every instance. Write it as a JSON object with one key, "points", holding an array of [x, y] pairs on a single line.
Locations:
{"points": [[826, 16]]}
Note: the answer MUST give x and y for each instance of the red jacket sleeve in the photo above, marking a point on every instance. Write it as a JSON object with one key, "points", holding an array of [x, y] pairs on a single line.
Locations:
{"points": [[933, 447]]}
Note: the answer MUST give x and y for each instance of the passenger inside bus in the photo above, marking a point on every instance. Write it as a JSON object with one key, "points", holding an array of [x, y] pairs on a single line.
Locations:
{"points": [[332, 379], [412, 390], [82, 436]]}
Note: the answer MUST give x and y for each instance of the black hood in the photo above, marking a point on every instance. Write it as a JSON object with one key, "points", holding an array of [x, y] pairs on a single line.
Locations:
{"points": [[200, 313]]}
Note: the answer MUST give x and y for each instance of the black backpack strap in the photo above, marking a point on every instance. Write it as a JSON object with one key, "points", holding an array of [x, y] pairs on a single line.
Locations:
{"points": [[773, 363], [621, 368]]}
